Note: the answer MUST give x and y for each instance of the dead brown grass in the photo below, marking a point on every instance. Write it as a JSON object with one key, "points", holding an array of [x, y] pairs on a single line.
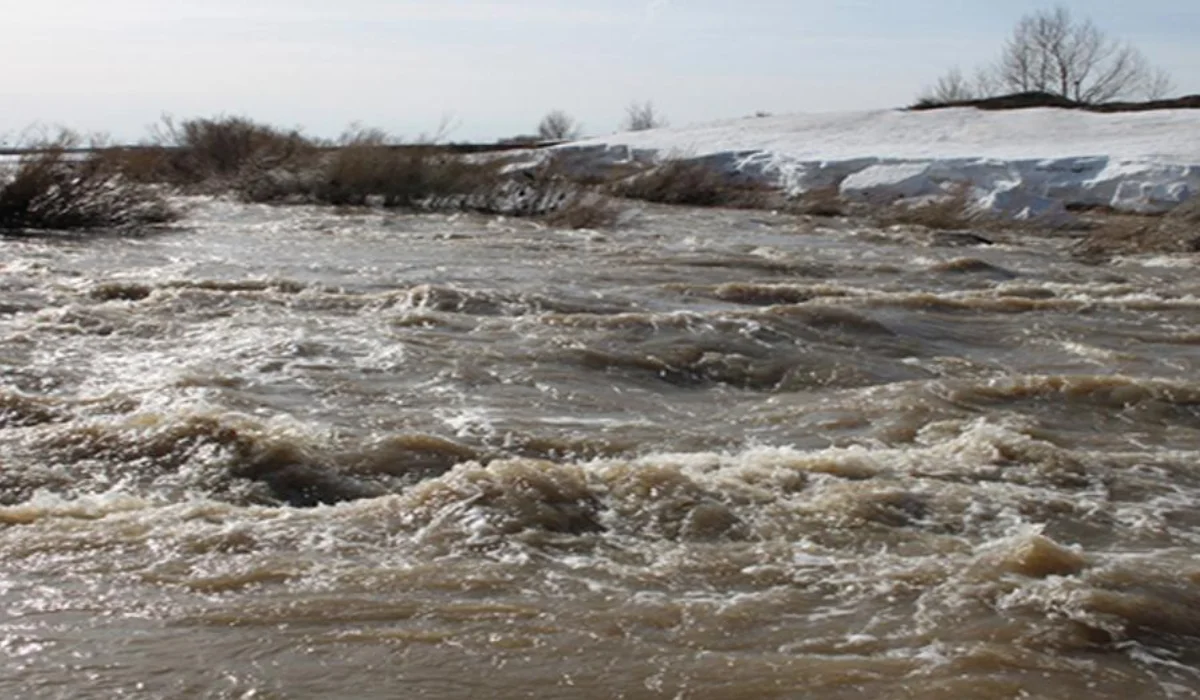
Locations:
{"points": [[1186, 215], [585, 211], [1112, 234], [693, 183], [366, 167], [949, 213], [824, 202], [370, 169]]}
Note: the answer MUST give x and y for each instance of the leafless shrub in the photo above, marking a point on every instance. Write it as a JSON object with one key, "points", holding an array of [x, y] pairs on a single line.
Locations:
{"points": [[693, 183], [222, 150], [54, 187], [412, 177], [144, 164], [369, 168], [558, 126], [642, 116], [954, 86]]}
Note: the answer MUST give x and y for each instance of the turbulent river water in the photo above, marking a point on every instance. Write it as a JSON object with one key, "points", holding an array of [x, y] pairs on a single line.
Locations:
{"points": [[302, 453]]}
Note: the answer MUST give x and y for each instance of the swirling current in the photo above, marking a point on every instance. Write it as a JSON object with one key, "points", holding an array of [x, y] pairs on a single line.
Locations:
{"points": [[300, 453]]}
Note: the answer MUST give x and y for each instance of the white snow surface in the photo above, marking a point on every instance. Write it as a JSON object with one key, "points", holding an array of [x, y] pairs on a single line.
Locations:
{"points": [[1027, 163]]}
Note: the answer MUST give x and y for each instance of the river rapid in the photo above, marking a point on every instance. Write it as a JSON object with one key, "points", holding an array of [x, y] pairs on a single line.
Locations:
{"points": [[305, 453]]}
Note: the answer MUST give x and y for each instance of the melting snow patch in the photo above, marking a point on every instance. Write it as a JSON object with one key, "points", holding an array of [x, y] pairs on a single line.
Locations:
{"points": [[1022, 164]]}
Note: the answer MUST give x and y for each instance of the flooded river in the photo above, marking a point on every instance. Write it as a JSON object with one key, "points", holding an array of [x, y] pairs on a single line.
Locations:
{"points": [[302, 453]]}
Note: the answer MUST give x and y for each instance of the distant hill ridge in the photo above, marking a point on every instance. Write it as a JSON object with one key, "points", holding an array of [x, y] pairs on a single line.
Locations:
{"points": [[1028, 100]]}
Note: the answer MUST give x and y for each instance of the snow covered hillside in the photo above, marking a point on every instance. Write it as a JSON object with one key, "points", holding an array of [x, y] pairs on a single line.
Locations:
{"points": [[1027, 163]]}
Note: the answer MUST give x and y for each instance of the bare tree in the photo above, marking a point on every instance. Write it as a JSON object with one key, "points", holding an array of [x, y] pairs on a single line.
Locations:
{"points": [[951, 87], [1051, 51], [1160, 85], [955, 86], [641, 116], [558, 126]]}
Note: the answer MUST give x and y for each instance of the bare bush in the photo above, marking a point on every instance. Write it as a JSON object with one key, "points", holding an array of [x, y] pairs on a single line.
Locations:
{"points": [[369, 168], [220, 150], [694, 183], [954, 86], [558, 126], [418, 177], [642, 116], [145, 164], [54, 187], [1050, 51]]}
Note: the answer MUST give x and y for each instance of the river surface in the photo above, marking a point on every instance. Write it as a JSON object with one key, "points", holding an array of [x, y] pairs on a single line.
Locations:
{"points": [[304, 453]]}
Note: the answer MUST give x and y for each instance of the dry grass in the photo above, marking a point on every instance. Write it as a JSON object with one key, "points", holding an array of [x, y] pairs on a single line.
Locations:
{"points": [[53, 188], [370, 169], [949, 213], [584, 211], [693, 183], [823, 202], [1131, 234], [1186, 215], [262, 164]]}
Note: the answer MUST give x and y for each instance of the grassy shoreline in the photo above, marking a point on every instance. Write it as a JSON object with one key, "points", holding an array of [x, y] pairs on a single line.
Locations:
{"points": [[65, 183]]}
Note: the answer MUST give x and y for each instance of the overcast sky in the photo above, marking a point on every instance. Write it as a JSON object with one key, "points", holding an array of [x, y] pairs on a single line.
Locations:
{"points": [[493, 68]]}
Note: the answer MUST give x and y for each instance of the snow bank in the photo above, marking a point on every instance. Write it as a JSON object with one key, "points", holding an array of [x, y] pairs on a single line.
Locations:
{"points": [[1027, 163]]}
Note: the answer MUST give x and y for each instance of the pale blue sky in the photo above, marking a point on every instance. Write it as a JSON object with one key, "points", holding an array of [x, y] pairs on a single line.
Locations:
{"points": [[495, 67]]}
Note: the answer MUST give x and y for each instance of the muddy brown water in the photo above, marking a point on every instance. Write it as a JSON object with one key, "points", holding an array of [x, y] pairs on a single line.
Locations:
{"points": [[300, 453]]}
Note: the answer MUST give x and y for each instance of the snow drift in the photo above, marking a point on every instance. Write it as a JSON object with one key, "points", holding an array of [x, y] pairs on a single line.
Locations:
{"points": [[1030, 163]]}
